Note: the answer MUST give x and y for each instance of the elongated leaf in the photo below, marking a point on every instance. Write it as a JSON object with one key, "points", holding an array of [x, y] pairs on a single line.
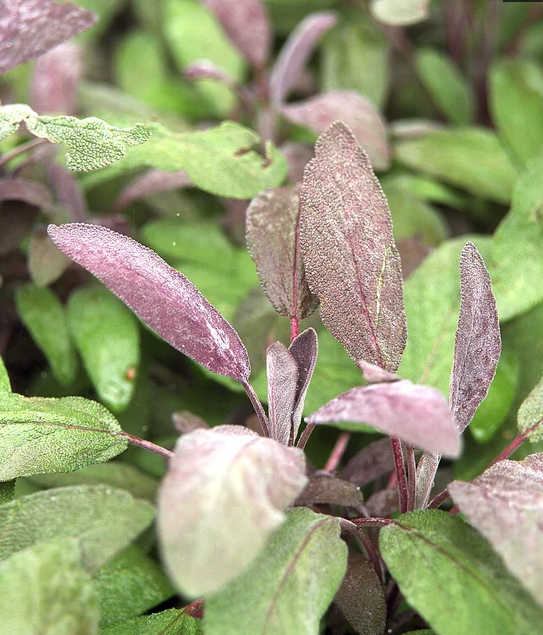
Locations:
{"points": [[273, 241], [478, 341], [224, 494], [282, 371], [45, 262], [505, 504], [296, 52], [44, 316], [290, 585], [29, 192], [5, 385], [29, 28], [170, 622], [418, 415], [42, 435], [530, 414], [400, 12], [426, 472], [357, 112], [152, 182], [452, 557], [44, 590], [304, 349], [372, 462], [102, 519], [106, 335], [161, 296], [325, 489], [362, 294]]}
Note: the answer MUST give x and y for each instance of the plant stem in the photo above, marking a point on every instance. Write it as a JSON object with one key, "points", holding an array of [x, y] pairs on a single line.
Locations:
{"points": [[411, 477], [148, 445], [370, 549], [258, 408], [371, 522], [24, 147], [304, 437], [194, 607], [439, 499], [337, 452], [400, 472], [294, 328]]}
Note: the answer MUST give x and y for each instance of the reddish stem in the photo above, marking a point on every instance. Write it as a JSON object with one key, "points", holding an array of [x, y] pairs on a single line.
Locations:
{"points": [[258, 408], [304, 437], [439, 499], [371, 522], [294, 328], [400, 472], [411, 477], [371, 550], [194, 608], [337, 452], [148, 445]]}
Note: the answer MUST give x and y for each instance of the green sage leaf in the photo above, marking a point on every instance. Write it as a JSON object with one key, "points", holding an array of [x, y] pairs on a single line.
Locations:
{"points": [[5, 385], [170, 622]]}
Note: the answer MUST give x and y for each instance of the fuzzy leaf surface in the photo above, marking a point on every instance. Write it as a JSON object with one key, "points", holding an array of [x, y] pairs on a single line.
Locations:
{"points": [[352, 264], [224, 494], [163, 298], [289, 586], [530, 413], [454, 558], [282, 372], [169, 622], [304, 349], [7, 491], [325, 489], [41, 435]]}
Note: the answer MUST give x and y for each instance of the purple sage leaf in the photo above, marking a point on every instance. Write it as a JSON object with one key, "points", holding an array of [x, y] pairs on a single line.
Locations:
{"points": [[28, 192], [296, 52], [282, 372], [418, 415], [161, 296], [383, 503], [375, 374], [478, 343], [505, 504], [68, 191], [325, 489], [426, 472], [351, 262], [372, 462], [304, 349], [274, 244], [224, 494], [151, 182], [357, 112], [30, 28]]}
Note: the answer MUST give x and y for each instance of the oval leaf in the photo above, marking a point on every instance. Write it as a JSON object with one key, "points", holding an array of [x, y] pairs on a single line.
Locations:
{"points": [[282, 371]]}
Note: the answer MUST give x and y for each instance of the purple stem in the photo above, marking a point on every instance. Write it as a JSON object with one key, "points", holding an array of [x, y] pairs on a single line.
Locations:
{"points": [[337, 452], [411, 477], [400, 473], [148, 445], [258, 408], [369, 547], [304, 437]]}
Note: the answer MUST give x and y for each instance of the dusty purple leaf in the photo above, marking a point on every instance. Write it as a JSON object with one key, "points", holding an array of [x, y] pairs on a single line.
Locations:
{"points": [[161, 296], [55, 80], [274, 244], [152, 182], [304, 349], [298, 155], [185, 422], [418, 415], [204, 69], [296, 52], [383, 503], [325, 489], [247, 25], [27, 191], [375, 374], [30, 28], [67, 191], [360, 597], [224, 493], [282, 371], [357, 112], [351, 262], [46, 263], [478, 343], [372, 462], [505, 504], [16, 221]]}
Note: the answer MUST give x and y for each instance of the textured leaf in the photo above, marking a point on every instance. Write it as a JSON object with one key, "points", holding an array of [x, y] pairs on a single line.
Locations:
{"points": [[372, 462], [400, 12], [5, 385], [453, 558], [304, 349], [102, 519], [282, 371], [478, 341], [357, 112], [296, 52], [247, 25], [29, 192], [29, 28], [163, 298], [375, 374], [418, 415], [44, 316], [44, 590], [505, 504], [42, 435], [224, 494], [170, 622], [472, 159], [7, 491], [152, 182], [273, 242], [360, 597], [290, 585], [45, 262], [530, 414], [516, 261], [361, 295], [106, 335], [325, 489]]}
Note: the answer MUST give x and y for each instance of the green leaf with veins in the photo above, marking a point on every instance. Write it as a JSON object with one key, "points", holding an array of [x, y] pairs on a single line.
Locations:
{"points": [[170, 622]]}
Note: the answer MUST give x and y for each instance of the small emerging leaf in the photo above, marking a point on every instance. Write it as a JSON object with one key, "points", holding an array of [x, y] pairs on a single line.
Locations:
{"points": [[325, 489], [304, 349], [282, 371]]}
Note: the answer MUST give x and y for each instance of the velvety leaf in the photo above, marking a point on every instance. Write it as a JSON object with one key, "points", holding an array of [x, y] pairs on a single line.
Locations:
{"points": [[360, 597], [419, 415], [426, 472], [7, 491], [55, 80], [400, 12], [29, 192], [44, 590], [516, 262], [5, 385], [375, 374], [325, 489], [247, 25], [361, 295], [170, 622], [67, 191], [152, 182], [290, 585], [282, 371], [44, 317], [304, 349], [505, 504], [106, 335], [274, 244], [454, 558], [29, 28], [530, 414], [472, 159], [516, 103], [448, 87], [296, 52], [372, 462], [224, 493], [357, 112], [102, 519], [163, 298], [478, 342], [43, 435], [45, 262], [129, 585]]}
